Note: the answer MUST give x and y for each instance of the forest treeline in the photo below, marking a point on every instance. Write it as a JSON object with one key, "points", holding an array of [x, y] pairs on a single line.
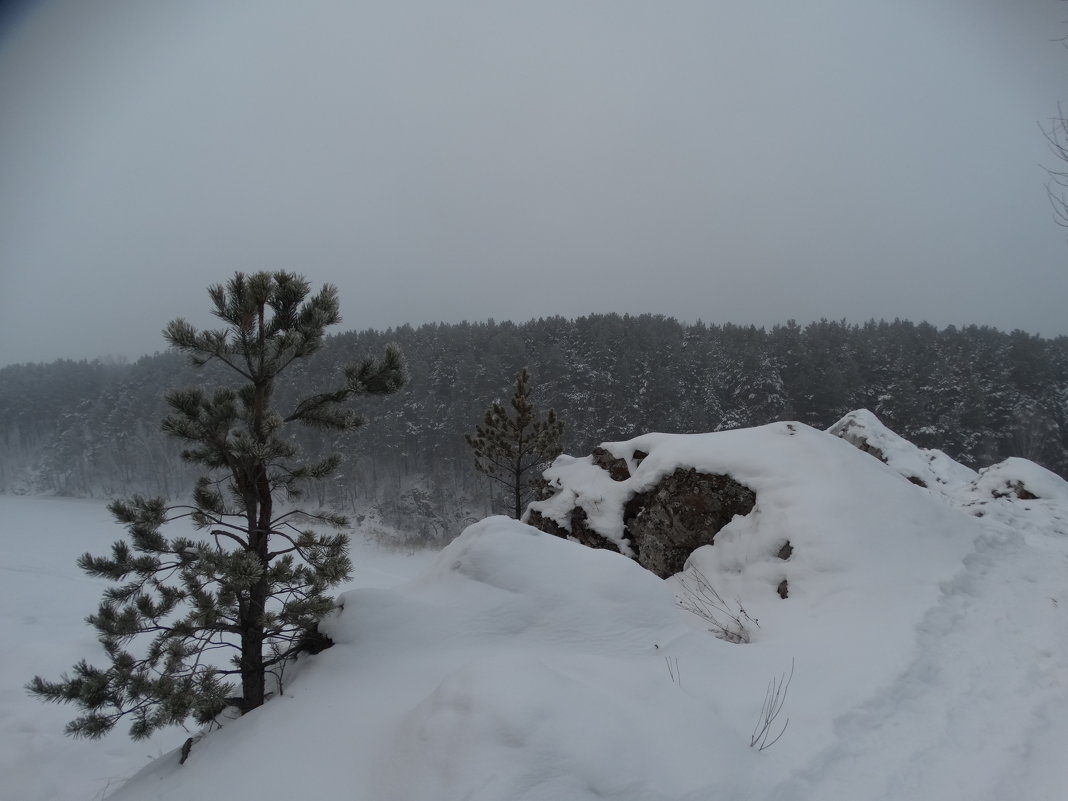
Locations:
{"points": [[979, 394]]}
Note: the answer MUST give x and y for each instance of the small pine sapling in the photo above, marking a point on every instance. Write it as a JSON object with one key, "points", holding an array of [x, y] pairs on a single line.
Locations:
{"points": [[513, 449], [256, 579]]}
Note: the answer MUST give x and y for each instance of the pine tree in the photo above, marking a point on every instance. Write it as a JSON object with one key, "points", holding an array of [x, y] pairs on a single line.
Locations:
{"points": [[255, 582], [513, 450]]}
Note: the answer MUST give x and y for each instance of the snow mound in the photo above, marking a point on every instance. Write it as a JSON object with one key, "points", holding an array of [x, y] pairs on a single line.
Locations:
{"points": [[514, 580], [521, 665], [1016, 493], [925, 467], [1022, 479], [508, 670], [803, 478]]}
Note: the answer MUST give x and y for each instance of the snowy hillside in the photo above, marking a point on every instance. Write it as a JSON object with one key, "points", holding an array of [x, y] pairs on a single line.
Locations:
{"points": [[926, 628]]}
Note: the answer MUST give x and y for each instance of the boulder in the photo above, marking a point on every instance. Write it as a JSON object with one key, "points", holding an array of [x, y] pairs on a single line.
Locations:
{"points": [[661, 526], [1019, 479], [684, 511]]}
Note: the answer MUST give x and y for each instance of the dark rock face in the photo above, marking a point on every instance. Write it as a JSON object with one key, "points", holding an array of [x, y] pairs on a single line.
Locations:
{"points": [[580, 531], [684, 511], [616, 468], [1016, 489]]}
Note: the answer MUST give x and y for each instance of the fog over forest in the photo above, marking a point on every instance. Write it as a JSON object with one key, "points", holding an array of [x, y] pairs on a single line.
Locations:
{"points": [[979, 394]]}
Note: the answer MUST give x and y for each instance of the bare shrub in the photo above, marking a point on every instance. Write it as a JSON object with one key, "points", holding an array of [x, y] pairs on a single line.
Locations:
{"points": [[729, 621]]}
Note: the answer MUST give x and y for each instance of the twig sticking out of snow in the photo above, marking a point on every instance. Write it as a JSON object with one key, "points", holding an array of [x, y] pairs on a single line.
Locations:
{"points": [[673, 670], [774, 698], [700, 597]]}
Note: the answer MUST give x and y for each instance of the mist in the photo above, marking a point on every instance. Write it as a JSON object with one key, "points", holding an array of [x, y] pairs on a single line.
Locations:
{"points": [[725, 162]]}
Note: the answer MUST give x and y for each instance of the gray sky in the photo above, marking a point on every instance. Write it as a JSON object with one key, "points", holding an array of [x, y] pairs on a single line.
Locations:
{"points": [[730, 161]]}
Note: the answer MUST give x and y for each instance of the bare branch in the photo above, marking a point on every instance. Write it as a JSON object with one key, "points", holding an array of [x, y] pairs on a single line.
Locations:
{"points": [[774, 699], [728, 621]]}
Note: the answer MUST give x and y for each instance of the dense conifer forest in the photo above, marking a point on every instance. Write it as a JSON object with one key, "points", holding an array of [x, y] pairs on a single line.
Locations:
{"points": [[979, 394]]}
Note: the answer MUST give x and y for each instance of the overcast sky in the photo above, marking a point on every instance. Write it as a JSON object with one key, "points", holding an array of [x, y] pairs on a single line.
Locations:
{"points": [[733, 161]]}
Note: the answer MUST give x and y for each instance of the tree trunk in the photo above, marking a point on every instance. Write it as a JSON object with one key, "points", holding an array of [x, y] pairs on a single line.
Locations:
{"points": [[517, 471], [253, 675], [517, 490], [253, 684]]}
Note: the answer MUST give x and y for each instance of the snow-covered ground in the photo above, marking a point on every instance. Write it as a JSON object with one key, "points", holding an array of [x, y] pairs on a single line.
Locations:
{"points": [[44, 599], [926, 628]]}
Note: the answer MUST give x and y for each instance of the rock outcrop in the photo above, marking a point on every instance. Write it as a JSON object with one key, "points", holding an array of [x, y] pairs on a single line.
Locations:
{"points": [[662, 525], [684, 511], [927, 468], [1020, 479], [578, 528]]}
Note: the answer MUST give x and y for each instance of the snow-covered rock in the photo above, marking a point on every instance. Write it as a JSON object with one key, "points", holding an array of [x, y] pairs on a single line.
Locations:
{"points": [[922, 466], [801, 477], [661, 526], [1022, 479]]}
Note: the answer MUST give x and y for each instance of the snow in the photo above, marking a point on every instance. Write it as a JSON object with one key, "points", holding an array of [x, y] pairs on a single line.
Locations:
{"points": [[932, 468], [44, 599], [1010, 477], [926, 626]]}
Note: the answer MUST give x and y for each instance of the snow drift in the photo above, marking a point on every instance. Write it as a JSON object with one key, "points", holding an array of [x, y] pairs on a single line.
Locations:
{"points": [[926, 627]]}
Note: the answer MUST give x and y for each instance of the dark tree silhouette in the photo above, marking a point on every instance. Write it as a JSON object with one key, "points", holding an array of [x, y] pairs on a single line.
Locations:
{"points": [[512, 450], [256, 582]]}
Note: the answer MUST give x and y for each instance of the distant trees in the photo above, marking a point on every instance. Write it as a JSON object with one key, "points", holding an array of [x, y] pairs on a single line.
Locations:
{"points": [[513, 449], [256, 582], [977, 393]]}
